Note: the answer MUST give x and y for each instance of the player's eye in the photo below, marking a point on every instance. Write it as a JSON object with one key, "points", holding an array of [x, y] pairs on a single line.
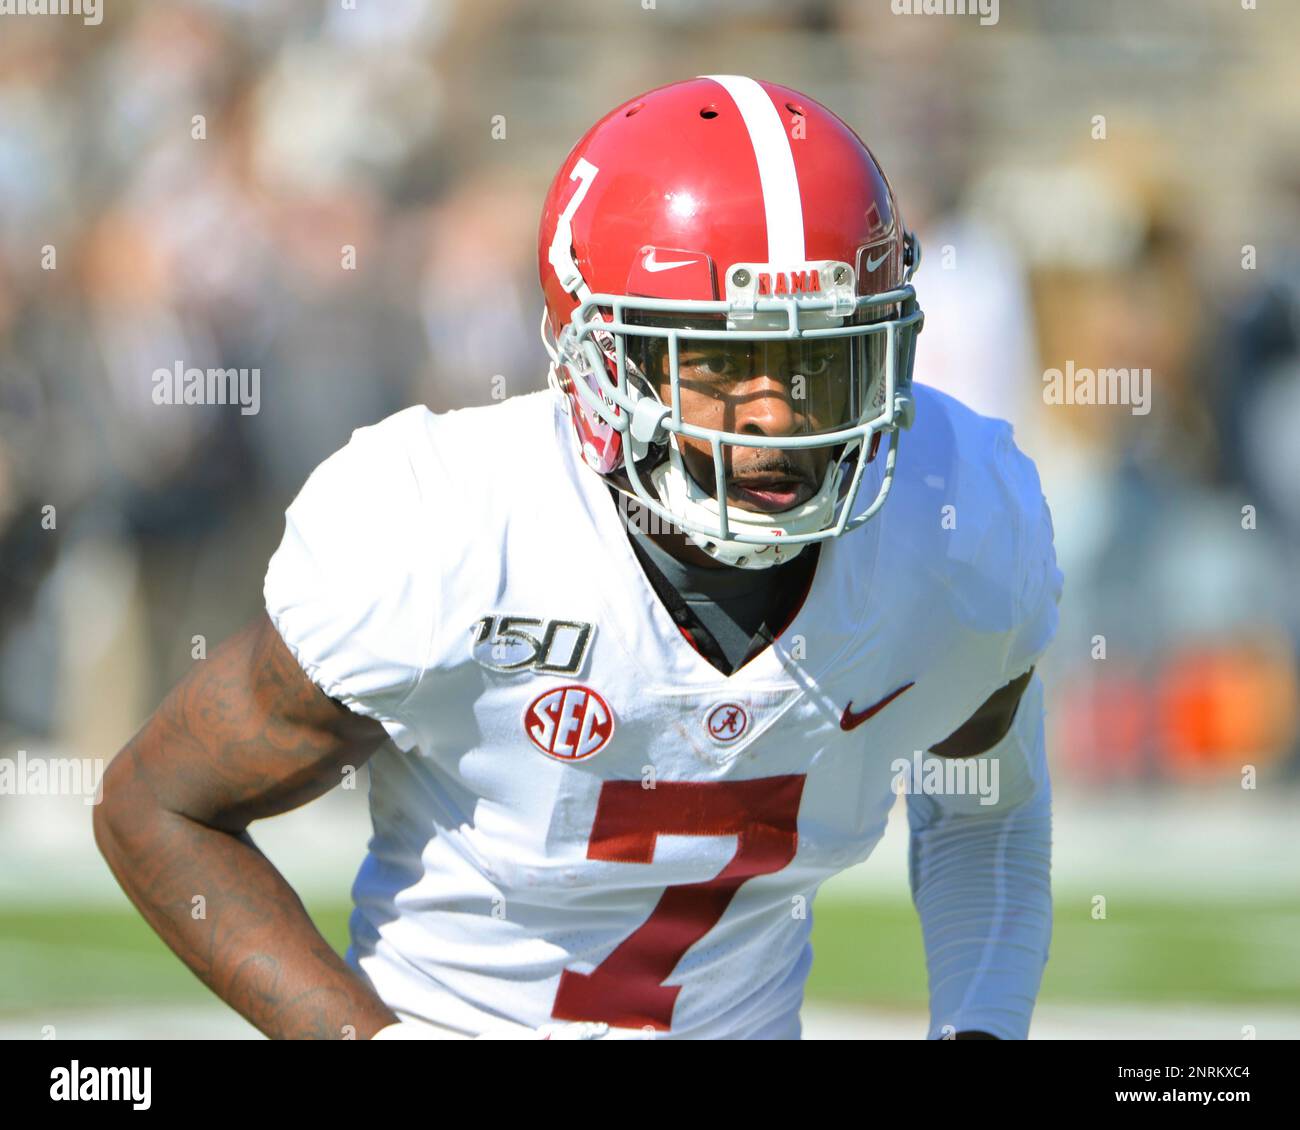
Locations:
{"points": [[715, 364], [818, 364]]}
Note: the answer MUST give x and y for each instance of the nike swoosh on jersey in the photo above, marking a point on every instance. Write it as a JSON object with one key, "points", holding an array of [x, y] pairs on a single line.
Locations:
{"points": [[851, 719]]}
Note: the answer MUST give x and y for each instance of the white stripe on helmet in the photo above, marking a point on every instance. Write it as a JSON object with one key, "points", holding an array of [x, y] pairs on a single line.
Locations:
{"points": [[776, 175]]}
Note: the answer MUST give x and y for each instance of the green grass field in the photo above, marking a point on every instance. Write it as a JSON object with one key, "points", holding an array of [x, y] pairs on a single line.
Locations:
{"points": [[865, 952]]}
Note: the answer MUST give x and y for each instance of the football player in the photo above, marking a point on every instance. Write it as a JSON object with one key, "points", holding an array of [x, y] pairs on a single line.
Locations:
{"points": [[633, 659]]}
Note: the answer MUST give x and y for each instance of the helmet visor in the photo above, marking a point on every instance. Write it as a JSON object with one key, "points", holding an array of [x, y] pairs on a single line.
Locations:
{"points": [[830, 382]]}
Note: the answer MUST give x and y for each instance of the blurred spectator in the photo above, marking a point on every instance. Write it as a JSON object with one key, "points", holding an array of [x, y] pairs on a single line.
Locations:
{"points": [[346, 199]]}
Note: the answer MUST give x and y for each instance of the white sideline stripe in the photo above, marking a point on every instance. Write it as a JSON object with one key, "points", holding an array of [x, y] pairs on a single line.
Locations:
{"points": [[212, 1020], [776, 175]]}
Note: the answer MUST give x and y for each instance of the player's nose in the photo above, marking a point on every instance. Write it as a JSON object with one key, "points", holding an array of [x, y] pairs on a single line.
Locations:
{"points": [[768, 407]]}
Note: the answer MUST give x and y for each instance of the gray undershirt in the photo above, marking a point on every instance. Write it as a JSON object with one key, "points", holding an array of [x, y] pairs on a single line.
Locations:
{"points": [[731, 603]]}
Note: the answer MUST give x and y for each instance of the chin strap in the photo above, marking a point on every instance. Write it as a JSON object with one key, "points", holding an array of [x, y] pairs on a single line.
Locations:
{"points": [[681, 494]]}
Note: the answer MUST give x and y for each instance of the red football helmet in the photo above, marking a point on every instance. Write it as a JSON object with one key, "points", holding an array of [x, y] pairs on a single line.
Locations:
{"points": [[701, 233]]}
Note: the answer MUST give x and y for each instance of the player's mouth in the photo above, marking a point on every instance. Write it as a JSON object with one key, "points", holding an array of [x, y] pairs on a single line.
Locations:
{"points": [[770, 494]]}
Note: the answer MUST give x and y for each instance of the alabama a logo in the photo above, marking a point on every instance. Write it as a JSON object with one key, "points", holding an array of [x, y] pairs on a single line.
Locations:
{"points": [[726, 722]]}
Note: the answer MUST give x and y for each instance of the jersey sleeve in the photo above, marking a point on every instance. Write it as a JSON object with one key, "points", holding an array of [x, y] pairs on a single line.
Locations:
{"points": [[980, 862], [353, 587], [980, 875], [1038, 581]]}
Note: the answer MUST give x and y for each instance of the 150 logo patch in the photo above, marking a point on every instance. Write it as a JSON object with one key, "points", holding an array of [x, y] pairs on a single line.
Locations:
{"points": [[518, 643]]}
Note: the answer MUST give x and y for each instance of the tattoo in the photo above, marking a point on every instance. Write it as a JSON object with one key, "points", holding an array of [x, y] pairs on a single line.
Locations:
{"points": [[244, 736]]}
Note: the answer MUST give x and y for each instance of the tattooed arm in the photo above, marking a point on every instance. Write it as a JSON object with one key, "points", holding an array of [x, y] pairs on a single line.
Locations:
{"points": [[244, 736]]}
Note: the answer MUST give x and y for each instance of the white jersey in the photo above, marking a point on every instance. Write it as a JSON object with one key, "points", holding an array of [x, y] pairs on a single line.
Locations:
{"points": [[579, 817]]}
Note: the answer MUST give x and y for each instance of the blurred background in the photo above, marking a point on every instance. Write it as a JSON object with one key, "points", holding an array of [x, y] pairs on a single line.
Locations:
{"points": [[1099, 185]]}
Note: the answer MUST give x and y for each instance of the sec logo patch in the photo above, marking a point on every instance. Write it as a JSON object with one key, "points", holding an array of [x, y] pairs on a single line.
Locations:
{"points": [[569, 723]]}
